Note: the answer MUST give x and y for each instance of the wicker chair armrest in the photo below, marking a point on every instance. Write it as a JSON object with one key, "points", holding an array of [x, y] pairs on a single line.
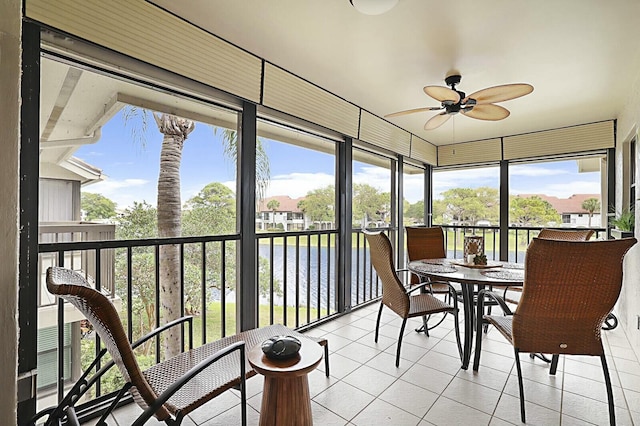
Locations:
{"points": [[156, 331], [496, 298], [175, 387]]}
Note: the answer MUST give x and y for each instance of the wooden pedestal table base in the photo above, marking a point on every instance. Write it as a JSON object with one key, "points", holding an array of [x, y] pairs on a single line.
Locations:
{"points": [[285, 398]]}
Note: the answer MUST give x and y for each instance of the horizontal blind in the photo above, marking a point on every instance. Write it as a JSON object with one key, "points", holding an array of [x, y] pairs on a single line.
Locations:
{"points": [[584, 138], [376, 131], [423, 151], [485, 151], [145, 32], [288, 93]]}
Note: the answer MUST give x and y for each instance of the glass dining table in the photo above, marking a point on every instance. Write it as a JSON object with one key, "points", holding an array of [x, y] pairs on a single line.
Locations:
{"points": [[472, 278]]}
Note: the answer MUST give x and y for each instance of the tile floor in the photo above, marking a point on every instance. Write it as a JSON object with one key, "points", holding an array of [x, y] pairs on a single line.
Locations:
{"points": [[429, 388]]}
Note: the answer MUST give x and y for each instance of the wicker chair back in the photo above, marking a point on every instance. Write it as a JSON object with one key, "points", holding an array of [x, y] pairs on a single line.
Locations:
{"points": [[569, 289], [97, 308], [393, 293], [566, 234], [424, 243]]}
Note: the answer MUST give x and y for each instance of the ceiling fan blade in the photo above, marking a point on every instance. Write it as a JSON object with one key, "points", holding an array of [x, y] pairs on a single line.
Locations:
{"points": [[441, 93], [501, 93], [489, 112], [411, 111], [436, 121]]}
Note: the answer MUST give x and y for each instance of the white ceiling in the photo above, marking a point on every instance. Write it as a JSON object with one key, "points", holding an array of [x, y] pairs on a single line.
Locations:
{"points": [[581, 56]]}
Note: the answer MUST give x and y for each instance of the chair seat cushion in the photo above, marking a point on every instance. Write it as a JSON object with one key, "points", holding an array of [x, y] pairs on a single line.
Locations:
{"points": [[215, 379], [424, 304], [502, 323]]}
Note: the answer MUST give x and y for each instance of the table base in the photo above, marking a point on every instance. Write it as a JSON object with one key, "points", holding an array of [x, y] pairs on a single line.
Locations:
{"points": [[286, 401]]}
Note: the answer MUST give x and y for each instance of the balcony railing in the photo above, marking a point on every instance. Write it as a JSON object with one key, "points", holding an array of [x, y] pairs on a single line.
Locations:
{"points": [[519, 239], [297, 279]]}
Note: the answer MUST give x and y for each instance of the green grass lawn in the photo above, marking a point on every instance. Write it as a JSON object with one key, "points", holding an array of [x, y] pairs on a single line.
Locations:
{"points": [[214, 323]]}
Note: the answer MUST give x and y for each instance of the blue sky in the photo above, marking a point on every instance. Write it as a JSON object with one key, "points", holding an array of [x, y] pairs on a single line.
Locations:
{"points": [[131, 168]]}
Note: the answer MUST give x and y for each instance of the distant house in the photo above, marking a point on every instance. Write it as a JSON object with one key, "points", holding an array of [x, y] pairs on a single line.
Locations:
{"points": [[570, 209], [287, 216]]}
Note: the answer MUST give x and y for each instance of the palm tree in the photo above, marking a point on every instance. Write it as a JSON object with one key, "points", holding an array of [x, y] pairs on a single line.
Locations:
{"points": [[273, 206], [591, 205], [175, 131]]}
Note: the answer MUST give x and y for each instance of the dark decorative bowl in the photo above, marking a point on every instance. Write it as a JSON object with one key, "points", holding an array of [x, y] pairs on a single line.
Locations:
{"points": [[281, 347]]}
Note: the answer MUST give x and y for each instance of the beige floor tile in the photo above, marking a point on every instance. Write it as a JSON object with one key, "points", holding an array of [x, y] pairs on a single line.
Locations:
{"points": [[495, 361], [474, 395], [382, 413], [538, 393], [592, 389], [486, 376], [408, 352], [625, 353], [499, 422], [590, 410], [367, 324], [629, 381], [447, 412], [442, 362], [626, 366], [233, 417], [409, 397], [354, 333], [340, 366], [382, 344], [336, 342], [509, 409], [446, 347], [387, 364], [572, 421], [344, 400], [358, 352], [215, 407], [318, 382], [427, 378], [370, 380], [325, 417]]}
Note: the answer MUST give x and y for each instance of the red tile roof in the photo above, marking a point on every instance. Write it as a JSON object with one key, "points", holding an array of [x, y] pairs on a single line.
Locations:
{"points": [[287, 204], [573, 204]]}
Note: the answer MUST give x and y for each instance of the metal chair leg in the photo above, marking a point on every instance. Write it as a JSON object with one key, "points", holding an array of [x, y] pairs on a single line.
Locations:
{"points": [[404, 322], [326, 359], [554, 364], [520, 385], [607, 381], [378, 322]]}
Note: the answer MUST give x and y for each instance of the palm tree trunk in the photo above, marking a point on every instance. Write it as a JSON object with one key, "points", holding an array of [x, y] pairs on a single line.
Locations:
{"points": [[175, 131]]}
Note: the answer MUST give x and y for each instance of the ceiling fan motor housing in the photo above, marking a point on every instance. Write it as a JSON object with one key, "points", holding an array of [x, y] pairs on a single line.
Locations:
{"points": [[452, 80]]}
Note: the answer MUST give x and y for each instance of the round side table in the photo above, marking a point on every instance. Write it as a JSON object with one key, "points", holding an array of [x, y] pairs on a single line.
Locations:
{"points": [[285, 398]]}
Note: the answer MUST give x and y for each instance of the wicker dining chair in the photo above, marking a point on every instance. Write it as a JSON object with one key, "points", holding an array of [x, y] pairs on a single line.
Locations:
{"points": [[569, 289], [166, 389], [397, 298], [557, 235], [427, 243]]}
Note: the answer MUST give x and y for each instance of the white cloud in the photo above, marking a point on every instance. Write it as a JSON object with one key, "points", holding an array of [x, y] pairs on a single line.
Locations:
{"points": [[125, 192], [560, 189], [534, 171], [298, 184]]}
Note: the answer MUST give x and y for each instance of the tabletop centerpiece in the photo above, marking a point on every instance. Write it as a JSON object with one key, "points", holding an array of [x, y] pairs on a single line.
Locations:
{"points": [[473, 246]]}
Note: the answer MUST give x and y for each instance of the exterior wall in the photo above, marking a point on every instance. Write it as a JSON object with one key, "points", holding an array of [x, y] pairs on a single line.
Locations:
{"points": [[629, 303], [10, 29]]}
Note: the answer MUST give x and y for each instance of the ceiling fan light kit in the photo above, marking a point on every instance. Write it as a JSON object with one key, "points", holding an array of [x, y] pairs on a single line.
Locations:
{"points": [[373, 7], [479, 105]]}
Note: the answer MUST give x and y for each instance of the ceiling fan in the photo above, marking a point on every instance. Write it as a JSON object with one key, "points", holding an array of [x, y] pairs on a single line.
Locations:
{"points": [[479, 105]]}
